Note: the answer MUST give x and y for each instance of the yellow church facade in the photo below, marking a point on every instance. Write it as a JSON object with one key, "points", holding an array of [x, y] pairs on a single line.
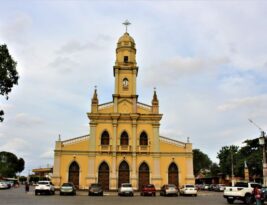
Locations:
{"points": [[124, 142]]}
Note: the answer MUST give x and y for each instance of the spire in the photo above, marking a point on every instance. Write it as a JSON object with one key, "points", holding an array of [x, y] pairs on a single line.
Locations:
{"points": [[155, 98], [155, 103], [95, 99], [94, 105]]}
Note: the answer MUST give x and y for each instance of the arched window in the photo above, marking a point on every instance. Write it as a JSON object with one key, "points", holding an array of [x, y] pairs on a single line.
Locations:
{"points": [[124, 138], [143, 139], [105, 138]]}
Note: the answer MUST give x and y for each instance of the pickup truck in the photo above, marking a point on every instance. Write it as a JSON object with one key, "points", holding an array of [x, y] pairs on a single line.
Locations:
{"points": [[240, 191]]}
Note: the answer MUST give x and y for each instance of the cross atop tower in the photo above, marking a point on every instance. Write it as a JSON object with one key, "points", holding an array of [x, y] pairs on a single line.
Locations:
{"points": [[126, 23]]}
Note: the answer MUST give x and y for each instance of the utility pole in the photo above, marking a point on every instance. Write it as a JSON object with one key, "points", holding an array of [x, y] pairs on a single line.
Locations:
{"points": [[262, 142]]}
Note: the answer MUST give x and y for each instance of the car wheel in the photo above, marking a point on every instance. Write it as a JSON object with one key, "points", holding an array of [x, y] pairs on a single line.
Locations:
{"points": [[36, 193], [230, 201], [154, 194], [248, 199]]}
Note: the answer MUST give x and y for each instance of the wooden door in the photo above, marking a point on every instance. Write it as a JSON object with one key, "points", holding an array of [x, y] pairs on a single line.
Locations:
{"points": [[103, 176], [124, 173], [173, 174], [143, 177], [74, 173]]}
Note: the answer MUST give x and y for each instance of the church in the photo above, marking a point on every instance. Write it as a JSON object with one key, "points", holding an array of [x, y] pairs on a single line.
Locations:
{"points": [[124, 142]]}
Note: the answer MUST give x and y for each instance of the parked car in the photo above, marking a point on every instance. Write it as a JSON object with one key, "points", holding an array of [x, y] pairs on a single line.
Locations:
{"points": [[126, 189], [148, 189], [3, 185], [220, 187], [264, 193], [95, 189], [169, 189], [206, 187], [44, 187], [188, 189], [67, 188]]}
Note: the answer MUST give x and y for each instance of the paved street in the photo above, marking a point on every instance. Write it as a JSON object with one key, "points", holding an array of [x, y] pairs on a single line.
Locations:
{"points": [[19, 197]]}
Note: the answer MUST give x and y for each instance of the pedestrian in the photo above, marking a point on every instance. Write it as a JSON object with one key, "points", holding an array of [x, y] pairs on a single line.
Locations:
{"points": [[257, 195], [27, 187]]}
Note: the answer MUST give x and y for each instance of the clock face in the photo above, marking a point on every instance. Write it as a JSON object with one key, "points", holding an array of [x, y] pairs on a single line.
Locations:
{"points": [[125, 82]]}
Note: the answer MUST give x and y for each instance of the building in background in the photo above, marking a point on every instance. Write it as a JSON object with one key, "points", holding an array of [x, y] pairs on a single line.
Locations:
{"points": [[124, 143]]}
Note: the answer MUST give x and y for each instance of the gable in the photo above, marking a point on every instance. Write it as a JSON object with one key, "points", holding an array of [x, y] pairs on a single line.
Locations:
{"points": [[77, 143], [125, 106]]}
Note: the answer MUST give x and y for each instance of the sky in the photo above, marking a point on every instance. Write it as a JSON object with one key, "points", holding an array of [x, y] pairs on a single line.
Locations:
{"points": [[207, 60]]}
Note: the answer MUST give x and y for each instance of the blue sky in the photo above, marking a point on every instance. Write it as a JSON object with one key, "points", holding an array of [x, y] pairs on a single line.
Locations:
{"points": [[207, 60]]}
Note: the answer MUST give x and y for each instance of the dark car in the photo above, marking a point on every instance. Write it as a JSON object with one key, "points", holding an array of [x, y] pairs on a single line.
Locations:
{"points": [[95, 189], [67, 188], [169, 189], [148, 189]]}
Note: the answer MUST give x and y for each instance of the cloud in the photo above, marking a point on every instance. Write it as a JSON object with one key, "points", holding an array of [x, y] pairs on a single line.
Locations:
{"points": [[16, 145], [63, 65], [15, 29], [255, 102], [76, 46], [24, 119], [170, 70], [49, 154]]}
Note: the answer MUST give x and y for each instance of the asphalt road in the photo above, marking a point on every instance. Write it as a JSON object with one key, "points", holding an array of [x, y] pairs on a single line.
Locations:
{"points": [[17, 196]]}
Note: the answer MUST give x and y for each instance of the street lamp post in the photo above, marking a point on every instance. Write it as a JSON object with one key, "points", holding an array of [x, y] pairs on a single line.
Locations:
{"points": [[262, 142]]}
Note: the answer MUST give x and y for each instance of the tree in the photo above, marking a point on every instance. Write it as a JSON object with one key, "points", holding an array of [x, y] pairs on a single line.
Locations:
{"points": [[200, 161], [228, 156], [214, 169], [10, 164], [8, 74]]}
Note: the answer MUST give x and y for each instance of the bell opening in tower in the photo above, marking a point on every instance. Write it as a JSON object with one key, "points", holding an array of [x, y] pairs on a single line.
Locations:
{"points": [[125, 59]]}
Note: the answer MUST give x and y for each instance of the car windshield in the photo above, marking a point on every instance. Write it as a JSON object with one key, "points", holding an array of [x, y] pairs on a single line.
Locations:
{"points": [[126, 185], [95, 185], [171, 185], [190, 186], [149, 186], [43, 183], [67, 184]]}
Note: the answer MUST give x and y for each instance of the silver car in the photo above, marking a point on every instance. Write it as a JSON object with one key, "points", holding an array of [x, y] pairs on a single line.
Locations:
{"points": [[169, 189], [126, 189]]}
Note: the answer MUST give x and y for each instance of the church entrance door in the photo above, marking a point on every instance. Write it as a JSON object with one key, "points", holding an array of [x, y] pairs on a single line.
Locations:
{"points": [[103, 176], [173, 174], [143, 175], [124, 173], [74, 172]]}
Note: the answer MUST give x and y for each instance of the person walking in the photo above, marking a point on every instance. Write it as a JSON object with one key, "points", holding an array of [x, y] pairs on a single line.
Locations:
{"points": [[257, 195], [27, 187]]}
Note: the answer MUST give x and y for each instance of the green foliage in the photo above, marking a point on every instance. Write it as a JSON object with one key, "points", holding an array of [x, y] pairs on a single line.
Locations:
{"points": [[8, 74], [200, 161], [250, 153], [10, 164], [214, 169], [227, 155]]}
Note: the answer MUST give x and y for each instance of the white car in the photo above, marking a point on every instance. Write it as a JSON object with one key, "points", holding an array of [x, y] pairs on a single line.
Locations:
{"points": [[188, 189], [45, 187], [3, 185], [126, 189]]}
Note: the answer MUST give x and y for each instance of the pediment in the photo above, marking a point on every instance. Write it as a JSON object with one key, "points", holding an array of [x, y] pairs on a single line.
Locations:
{"points": [[125, 106]]}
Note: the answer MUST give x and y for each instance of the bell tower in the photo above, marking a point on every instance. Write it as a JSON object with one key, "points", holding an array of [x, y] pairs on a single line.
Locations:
{"points": [[125, 72]]}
